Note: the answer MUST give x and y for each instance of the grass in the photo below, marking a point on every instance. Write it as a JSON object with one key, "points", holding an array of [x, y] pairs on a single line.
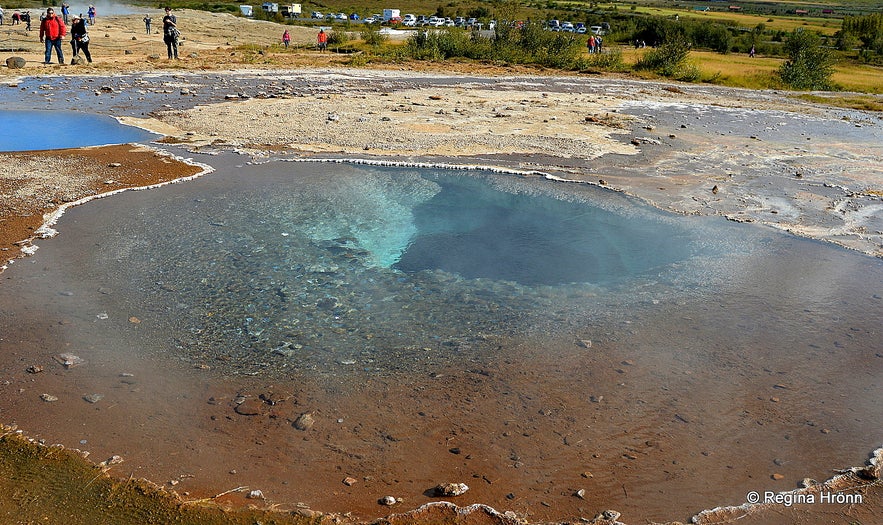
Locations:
{"points": [[40, 484]]}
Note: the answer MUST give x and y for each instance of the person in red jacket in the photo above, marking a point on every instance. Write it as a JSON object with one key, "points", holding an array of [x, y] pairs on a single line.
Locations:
{"points": [[322, 40], [52, 31]]}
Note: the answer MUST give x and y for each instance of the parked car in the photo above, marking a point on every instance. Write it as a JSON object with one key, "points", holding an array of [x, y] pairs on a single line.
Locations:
{"points": [[554, 25], [341, 16], [409, 20], [459, 21], [567, 27], [471, 22], [581, 28], [422, 20], [317, 15], [436, 21]]}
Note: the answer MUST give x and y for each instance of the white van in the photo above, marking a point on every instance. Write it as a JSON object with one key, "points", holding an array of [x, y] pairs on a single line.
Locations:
{"points": [[409, 20]]}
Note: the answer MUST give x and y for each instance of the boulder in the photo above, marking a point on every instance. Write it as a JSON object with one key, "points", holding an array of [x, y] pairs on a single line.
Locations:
{"points": [[15, 62]]}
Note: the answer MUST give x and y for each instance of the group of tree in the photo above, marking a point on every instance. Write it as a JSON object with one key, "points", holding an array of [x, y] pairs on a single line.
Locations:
{"points": [[864, 33]]}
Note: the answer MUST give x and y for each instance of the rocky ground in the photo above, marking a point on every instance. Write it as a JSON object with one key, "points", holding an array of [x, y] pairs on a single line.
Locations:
{"points": [[758, 157]]}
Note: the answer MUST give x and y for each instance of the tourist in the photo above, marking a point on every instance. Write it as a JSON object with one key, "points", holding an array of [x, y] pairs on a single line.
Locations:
{"points": [[751, 53], [80, 39], [147, 23], [170, 33], [322, 40], [286, 39], [16, 18], [26, 18], [590, 44], [52, 30], [91, 12], [1, 16], [598, 42], [65, 11]]}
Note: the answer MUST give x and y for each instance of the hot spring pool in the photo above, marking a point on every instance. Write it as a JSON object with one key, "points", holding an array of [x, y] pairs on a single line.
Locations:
{"points": [[39, 130], [546, 329]]}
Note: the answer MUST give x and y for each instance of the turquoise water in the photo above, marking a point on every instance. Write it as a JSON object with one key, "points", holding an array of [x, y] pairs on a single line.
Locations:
{"points": [[314, 257], [42, 130]]}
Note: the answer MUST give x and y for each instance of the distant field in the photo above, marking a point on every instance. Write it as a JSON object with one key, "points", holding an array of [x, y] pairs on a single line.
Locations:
{"points": [[826, 26]]}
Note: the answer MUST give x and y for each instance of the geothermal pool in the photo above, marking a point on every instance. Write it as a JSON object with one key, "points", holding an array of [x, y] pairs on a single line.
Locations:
{"points": [[38, 130], [527, 337]]}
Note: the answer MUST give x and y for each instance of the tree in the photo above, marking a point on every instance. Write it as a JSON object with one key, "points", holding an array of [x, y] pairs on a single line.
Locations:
{"points": [[809, 65]]}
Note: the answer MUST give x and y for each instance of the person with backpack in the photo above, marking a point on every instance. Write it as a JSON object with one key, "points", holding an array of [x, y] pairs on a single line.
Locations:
{"points": [[80, 38], [52, 30]]}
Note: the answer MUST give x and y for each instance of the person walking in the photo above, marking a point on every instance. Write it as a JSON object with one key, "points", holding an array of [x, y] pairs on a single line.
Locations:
{"points": [[91, 14], [80, 39], [26, 18], [322, 40], [752, 52], [170, 33], [147, 23], [286, 39], [65, 11]]}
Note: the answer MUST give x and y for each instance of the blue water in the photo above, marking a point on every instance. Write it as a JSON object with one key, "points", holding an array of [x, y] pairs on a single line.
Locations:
{"points": [[42, 130], [475, 230], [257, 260]]}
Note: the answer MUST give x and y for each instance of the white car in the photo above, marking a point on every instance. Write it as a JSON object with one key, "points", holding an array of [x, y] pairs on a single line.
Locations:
{"points": [[409, 20], [341, 16], [317, 15], [567, 27]]}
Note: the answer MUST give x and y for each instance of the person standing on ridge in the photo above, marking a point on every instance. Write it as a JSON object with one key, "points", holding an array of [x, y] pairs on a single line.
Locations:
{"points": [[52, 30], [170, 33], [286, 39], [147, 23]]}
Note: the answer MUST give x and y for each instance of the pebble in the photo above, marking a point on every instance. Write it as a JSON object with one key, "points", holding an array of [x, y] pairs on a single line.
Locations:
{"points": [[451, 489], [93, 398], [581, 494], [69, 360], [778, 476], [349, 482], [49, 398], [388, 501], [304, 421], [255, 494]]}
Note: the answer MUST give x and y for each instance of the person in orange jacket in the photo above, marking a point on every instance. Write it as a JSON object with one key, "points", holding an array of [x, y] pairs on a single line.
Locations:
{"points": [[322, 40], [52, 31]]}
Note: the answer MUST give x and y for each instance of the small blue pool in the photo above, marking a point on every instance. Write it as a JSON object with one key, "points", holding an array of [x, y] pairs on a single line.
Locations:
{"points": [[30, 130]]}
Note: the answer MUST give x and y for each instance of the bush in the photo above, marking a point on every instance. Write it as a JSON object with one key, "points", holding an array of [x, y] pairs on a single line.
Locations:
{"points": [[607, 61], [374, 38], [809, 66], [337, 38], [668, 60]]}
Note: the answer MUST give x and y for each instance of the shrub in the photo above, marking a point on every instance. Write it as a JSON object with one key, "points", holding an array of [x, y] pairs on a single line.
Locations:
{"points": [[668, 59], [337, 38], [809, 66], [373, 37]]}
